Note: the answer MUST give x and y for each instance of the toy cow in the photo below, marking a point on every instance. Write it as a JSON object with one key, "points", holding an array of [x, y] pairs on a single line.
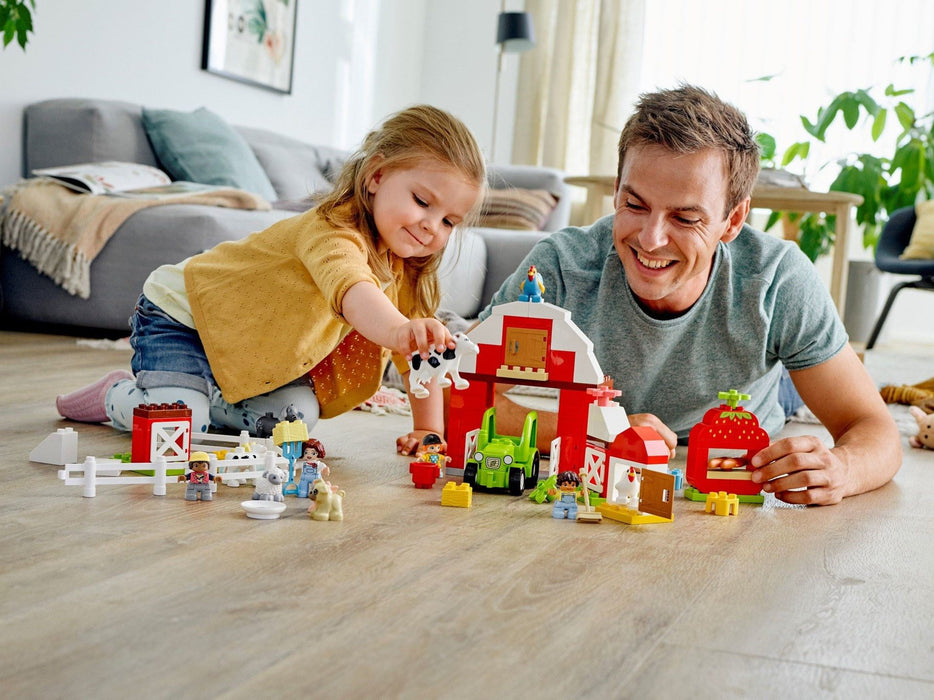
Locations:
{"points": [[440, 364]]}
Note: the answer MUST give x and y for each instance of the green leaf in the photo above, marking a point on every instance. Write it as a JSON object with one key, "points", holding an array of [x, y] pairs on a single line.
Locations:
{"points": [[863, 98], [763, 78], [850, 113], [890, 91], [809, 127], [9, 31], [878, 124], [766, 145], [796, 150], [905, 114], [773, 219]]}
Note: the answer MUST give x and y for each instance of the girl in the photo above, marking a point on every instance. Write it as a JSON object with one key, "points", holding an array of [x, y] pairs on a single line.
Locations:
{"points": [[304, 315]]}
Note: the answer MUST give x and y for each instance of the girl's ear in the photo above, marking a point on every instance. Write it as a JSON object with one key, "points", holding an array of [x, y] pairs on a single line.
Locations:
{"points": [[373, 183]]}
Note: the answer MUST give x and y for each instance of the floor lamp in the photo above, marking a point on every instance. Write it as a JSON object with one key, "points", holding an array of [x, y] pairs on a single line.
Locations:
{"points": [[513, 35]]}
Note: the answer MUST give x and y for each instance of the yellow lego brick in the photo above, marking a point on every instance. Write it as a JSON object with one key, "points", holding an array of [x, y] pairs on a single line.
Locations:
{"points": [[289, 431], [629, 515], [722, 503], [457, 495]]}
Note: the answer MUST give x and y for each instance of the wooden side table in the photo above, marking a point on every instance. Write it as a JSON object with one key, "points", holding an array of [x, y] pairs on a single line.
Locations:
{"points": [[600, 189]]}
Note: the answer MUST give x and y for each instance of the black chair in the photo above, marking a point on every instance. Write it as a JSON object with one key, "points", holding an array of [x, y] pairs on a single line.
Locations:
{"points": [[894, 239]]}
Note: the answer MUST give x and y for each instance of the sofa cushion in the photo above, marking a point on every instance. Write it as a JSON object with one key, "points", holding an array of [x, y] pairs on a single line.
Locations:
{"points": [[295, 168], [67, 131], [201, 147], [462, 274], [516, 208]]}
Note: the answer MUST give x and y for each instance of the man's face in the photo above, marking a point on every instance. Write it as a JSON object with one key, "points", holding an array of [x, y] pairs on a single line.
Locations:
{"points": [[669, 219]]}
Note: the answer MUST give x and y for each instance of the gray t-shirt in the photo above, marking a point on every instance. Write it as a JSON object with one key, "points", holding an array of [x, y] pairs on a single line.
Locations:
{"points": [[763, 306]]}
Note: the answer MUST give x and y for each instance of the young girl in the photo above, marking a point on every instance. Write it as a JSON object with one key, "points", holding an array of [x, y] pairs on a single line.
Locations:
{"points": [[305, 314]]}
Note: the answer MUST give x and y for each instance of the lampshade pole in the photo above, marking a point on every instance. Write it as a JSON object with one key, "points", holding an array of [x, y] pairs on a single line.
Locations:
{"points": [[499, 71]]}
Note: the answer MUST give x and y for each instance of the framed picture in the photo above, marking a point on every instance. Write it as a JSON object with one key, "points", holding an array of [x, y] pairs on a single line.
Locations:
{"points": [[252, 41]]}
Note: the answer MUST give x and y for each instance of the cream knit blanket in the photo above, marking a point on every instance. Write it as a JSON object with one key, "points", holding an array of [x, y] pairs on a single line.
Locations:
{"points": [[60, 232]]}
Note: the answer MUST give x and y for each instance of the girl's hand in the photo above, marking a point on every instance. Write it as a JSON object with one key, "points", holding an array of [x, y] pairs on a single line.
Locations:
{"points": [[421, 335], [653, 421], [408, 444]]}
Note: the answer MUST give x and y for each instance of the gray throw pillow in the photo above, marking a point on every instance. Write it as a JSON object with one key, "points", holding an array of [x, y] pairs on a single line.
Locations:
{"points": [[201, 147]]}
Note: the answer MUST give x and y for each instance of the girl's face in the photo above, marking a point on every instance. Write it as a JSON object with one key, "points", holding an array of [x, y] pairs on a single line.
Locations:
{"points": [[417, 208]]}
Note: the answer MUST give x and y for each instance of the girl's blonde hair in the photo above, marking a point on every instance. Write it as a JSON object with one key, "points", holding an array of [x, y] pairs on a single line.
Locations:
{"points": [[404, 140]]}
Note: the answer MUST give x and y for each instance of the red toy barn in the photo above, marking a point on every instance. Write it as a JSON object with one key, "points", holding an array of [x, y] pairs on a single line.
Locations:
{"points": [[161, 430], [532, 344]]}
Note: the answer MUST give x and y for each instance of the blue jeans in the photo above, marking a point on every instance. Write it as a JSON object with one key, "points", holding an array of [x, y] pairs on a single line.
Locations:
{"points": [[166, 352], [170, 364], [788, 397]]}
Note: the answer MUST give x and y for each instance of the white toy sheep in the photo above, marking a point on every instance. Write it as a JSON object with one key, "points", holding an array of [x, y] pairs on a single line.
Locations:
{"points": [[269, 485]]}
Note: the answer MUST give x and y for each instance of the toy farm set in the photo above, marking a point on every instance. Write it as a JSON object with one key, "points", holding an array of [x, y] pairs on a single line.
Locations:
{"points": [[600, 466], [598, 456]]}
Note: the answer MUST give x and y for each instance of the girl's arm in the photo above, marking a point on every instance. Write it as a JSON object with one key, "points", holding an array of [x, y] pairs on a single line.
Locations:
{"points": [[427, 417], [370, 312]]}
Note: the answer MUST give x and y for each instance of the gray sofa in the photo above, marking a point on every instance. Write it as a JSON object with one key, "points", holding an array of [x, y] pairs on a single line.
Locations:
{"points": [[70, 131]]}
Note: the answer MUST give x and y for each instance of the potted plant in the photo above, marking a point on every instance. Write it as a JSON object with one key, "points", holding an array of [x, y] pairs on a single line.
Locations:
{"points": [[885, 182]]}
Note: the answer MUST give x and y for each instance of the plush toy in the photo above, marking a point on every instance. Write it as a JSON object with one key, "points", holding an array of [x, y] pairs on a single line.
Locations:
{"points": [[925, 436]]}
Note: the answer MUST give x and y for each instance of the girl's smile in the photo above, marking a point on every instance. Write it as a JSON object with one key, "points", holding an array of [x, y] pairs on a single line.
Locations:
{"points": [[416, 209]]}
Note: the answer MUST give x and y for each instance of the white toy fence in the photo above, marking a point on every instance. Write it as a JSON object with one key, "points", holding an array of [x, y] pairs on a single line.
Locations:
{"points": [[91, 477]]}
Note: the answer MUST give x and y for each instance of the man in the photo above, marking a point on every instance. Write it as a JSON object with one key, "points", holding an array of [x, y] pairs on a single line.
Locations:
{"points": [[682, 300]]}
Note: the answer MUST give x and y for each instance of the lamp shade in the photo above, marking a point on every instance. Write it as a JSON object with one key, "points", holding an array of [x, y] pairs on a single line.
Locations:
{"points": [[514, 31]]}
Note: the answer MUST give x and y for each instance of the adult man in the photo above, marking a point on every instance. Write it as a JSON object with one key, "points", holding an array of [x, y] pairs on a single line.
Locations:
{"points": [[682, 300]]}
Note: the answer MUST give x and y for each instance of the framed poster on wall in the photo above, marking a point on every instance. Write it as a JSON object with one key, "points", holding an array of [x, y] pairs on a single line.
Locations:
{"points": [[252, 41]]}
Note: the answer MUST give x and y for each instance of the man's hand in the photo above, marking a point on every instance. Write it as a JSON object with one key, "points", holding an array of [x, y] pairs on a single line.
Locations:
{"points": [[653, 421], [802, 470]]}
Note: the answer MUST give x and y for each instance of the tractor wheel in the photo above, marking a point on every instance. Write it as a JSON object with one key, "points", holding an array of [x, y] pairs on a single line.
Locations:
{"points": [[470, 475], [532, 481], [516, 481]]}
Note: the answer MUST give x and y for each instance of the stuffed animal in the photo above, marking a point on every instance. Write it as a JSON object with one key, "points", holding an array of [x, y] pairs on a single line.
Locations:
{"points": [[925, 436]]}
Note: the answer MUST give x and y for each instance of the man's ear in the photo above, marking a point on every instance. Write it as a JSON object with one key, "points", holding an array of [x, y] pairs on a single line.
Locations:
{"points": [[735, 221]]}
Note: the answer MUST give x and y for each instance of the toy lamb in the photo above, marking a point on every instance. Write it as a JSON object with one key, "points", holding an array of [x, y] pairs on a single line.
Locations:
{"points": [[328, 503], [925, 436], [269, 485]]}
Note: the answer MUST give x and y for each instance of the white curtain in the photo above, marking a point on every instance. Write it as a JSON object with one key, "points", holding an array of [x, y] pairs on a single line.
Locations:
{"points": [[577, 87]]}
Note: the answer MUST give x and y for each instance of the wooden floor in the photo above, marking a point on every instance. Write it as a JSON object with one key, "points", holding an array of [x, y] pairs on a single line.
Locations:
{"points": [[129, 594]]}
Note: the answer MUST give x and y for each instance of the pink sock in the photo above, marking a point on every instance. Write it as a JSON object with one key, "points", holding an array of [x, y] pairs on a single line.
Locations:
{"points": [[87, 405]]}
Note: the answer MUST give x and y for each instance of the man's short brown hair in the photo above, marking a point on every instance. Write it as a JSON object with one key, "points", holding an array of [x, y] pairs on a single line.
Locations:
{"points": [[688, 119]]}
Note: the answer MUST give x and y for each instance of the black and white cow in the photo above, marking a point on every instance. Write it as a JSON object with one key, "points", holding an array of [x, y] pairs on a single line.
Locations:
{"points": [[440, 364]]}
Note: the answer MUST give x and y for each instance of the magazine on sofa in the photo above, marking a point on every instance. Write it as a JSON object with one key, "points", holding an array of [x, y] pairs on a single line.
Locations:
{"points": [[121, 180]]}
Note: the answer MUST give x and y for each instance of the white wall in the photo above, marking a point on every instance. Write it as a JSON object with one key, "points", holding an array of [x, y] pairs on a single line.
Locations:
{"points": [[355, 62]]}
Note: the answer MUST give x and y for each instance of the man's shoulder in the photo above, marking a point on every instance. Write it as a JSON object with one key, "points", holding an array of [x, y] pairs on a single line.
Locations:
{"points": [[759, 254]]}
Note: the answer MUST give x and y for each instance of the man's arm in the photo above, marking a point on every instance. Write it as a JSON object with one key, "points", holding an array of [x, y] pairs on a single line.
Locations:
{"points": [[866, 452]]}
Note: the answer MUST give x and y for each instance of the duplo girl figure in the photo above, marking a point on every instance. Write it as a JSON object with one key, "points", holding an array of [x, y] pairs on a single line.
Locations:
{"points": [[307, 313]]}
